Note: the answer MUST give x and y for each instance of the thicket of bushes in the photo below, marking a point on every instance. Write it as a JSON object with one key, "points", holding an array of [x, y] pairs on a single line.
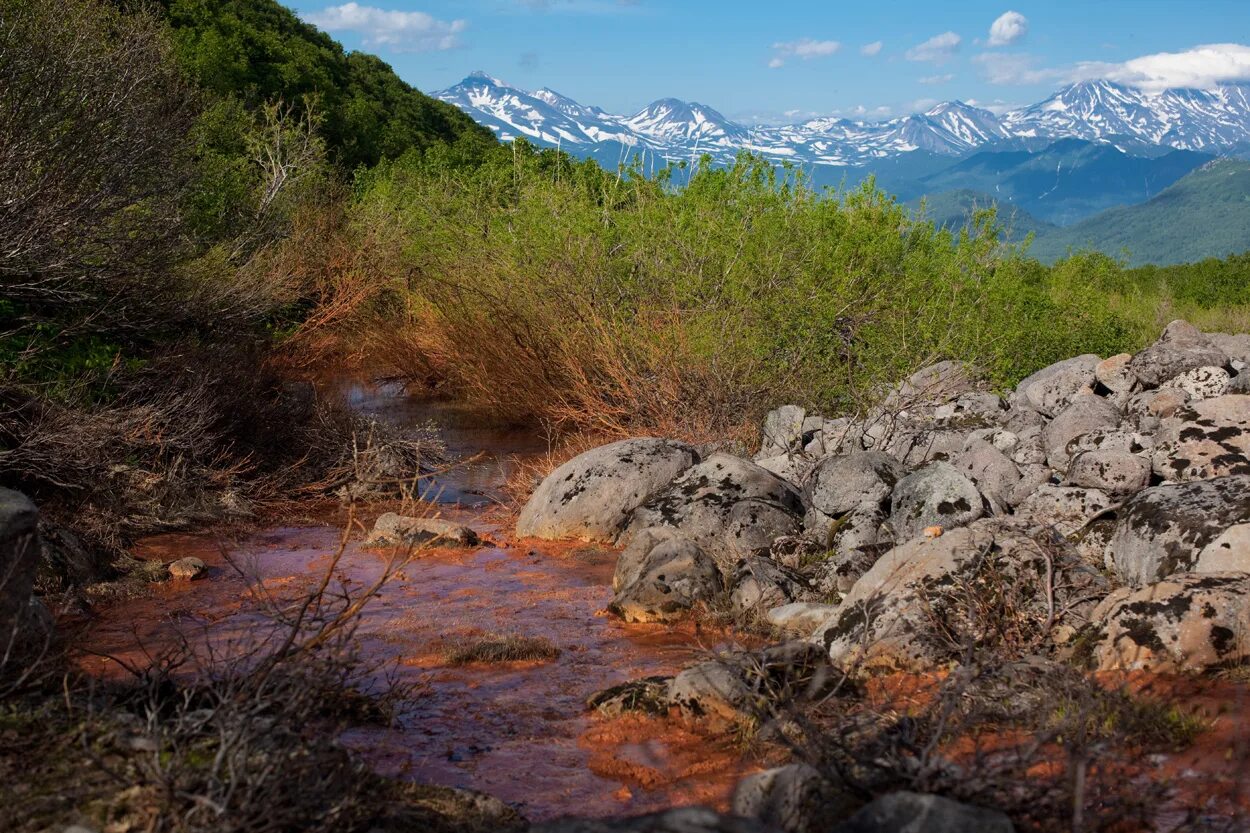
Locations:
{"points": [[691, 301]]}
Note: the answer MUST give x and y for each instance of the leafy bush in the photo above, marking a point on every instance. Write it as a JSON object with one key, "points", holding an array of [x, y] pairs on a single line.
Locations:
{"points": [[550, 288]]}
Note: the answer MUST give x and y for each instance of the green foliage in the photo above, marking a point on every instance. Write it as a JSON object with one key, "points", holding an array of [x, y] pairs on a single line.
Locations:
{"points": [[257, 52], [744, 278]]}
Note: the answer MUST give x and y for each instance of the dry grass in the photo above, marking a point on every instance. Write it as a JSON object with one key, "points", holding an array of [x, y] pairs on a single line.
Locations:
{"points": [[500, 648]]}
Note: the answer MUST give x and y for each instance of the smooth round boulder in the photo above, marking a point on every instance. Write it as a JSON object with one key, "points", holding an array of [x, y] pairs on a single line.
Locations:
{"points": [[1200, 383], [907, 812], [1114, 472], [1163, 529], [839, 485], [592, 496], [1051, 389], [1086, 413], [936, 495], [675, 576], [727, 505]]}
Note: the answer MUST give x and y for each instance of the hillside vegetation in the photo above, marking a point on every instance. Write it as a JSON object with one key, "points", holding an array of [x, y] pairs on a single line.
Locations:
{"points": [[1204, 214]]}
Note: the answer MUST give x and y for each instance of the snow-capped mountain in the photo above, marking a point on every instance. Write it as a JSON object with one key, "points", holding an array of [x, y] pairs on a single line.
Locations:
{"points": [[1184, 119], [1201, 120]]}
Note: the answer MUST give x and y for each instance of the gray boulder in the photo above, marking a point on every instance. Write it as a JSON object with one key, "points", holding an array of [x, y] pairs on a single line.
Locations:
{"points": [[793, 798], [1236, 346], [1181, 347], [761, 583], [1155, 404], [799, 618], [977, 410], [728, 506], [906, 812], [992, 471], [19, 558], [591, 496], [936, 495], [1189, 622], [1051, 389], [877, 621], [1086, 413], [1163, 529], [392, 529], [840, 485], [674, 577], [1118, 473], [1205, 439], [1065, 509], [783, 431]]}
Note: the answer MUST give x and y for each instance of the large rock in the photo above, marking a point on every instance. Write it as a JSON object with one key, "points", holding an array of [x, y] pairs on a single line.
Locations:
{"points": [[1187, 622], [877, 621], [392, 529], [591, 496], [1065, 509], [1086, 413], [19, 557], [783, 432], [1163, 529], [840, 485], [681, 820], [1205, 439], [906, 812], [794, 798], [761, 584], [1052, 388], [1117, 473], [990, 470], [674, 577], [1181, 348], [936, 495], [1200, 383], [728, 506]]}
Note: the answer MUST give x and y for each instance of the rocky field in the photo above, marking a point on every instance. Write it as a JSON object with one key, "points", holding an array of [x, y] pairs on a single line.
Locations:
{"points": [[1094, 519]]}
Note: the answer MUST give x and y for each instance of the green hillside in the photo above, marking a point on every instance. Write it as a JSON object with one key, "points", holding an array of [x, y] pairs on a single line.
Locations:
{"points": [[954, 210], [260, 51], [1204, 214], [1068, 181]]}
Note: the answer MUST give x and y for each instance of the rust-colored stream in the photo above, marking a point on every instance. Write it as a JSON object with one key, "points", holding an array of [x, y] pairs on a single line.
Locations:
{"points": [[519, 731]]}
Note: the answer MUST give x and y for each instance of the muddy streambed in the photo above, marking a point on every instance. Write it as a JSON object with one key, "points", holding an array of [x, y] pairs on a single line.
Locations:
{"points": [[519, 731]]}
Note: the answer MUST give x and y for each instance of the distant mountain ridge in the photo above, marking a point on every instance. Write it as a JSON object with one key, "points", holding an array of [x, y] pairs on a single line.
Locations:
{"points": [[1205, 121]]}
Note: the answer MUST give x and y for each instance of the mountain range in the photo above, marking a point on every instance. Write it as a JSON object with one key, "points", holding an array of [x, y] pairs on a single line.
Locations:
{"points": [[1207, 121], [1096, 165]]}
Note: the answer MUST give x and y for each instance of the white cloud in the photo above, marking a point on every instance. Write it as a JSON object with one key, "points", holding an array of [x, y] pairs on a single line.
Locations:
{"points": [[922, 104], [1008, 28], [804, 48], [871, 49], [937, 79], [1203, 67], [399, 30], [938, 49]]}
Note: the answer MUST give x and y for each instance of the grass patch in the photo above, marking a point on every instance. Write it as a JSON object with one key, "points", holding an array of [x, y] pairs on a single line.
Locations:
{"points": [[497, 648]]}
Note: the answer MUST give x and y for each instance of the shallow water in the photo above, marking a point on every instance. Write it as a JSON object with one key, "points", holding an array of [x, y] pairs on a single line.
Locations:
{"points": [[519, 731]]}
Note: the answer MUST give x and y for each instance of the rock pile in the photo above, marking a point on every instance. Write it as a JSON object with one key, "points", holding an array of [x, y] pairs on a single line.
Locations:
{"points": [[1110, 496]]}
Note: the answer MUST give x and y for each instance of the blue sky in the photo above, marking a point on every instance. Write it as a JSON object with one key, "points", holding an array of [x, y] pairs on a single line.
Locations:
{"points": [[785, 60]]}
